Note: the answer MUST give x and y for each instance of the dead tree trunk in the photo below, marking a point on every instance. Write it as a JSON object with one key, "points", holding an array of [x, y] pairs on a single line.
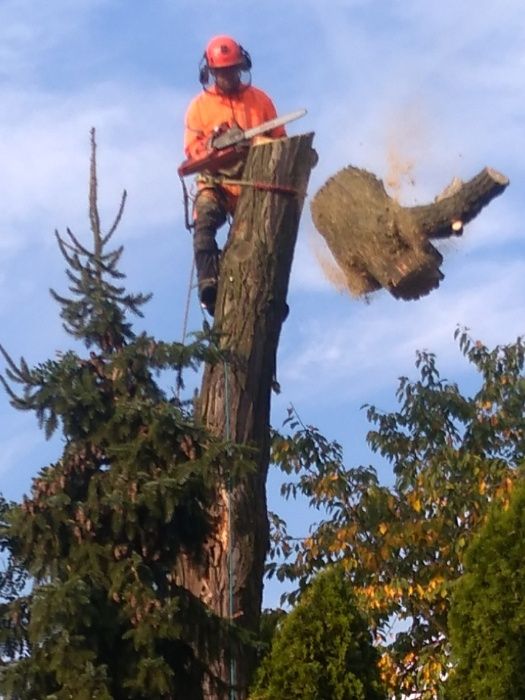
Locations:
{"points": [[235, 397], [380, 244]]}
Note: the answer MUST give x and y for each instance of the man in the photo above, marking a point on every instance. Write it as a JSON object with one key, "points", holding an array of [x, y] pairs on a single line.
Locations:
{"points": [[228, 100]]}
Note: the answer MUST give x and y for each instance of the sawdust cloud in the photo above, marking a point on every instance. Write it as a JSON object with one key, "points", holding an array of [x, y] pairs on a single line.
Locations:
{"points": [[405, 143], [329, 267], [399, 173]]}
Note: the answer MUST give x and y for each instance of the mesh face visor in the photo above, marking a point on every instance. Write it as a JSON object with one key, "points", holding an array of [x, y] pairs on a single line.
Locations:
{"points": [[208, 79]]}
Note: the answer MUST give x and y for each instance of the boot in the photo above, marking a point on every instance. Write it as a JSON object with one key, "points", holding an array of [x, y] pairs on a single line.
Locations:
{"points": [[210, 214], [207, 264]]}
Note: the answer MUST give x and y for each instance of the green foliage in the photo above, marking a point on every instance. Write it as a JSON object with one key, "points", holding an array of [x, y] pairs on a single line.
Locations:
{"points": [[487, 617], [403, 546], [97, 312], [322, 650], [269, 621], [91, 604]]}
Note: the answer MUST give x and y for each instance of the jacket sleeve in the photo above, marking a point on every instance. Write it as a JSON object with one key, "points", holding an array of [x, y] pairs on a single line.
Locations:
{"points": [[195, 137]]}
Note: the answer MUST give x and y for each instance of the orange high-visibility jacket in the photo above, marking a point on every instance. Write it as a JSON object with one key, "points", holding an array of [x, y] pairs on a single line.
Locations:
{"points": [[210, 109]]}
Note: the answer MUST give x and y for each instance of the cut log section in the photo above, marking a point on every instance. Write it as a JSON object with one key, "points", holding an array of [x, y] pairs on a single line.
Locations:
{"points": [[380, 244]]}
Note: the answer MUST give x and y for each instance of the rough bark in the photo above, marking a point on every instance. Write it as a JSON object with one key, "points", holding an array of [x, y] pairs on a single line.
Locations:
{"points": [[235, 397], [380, 244]]}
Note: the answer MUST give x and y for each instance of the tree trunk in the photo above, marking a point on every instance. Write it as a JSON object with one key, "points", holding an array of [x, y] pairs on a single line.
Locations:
{"points": [[235, 396], [380, 244]]}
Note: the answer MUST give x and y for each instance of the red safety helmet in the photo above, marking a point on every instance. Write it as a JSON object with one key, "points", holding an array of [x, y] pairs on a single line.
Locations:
{"points": [[223, 52]]}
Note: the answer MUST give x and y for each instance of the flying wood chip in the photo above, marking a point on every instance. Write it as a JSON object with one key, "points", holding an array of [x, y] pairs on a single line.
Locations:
{"points": [[380, 244]]}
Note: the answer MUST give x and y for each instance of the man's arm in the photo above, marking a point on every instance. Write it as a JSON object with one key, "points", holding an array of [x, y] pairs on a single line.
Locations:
{"points": [[195, 137]]}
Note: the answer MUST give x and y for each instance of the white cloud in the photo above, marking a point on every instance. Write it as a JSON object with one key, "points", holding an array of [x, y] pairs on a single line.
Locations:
{"points": [[353, 349], [29, 30], [44, 149]]}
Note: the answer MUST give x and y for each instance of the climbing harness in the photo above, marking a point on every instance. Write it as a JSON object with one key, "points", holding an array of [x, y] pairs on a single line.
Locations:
{"points": [[218, 180]]}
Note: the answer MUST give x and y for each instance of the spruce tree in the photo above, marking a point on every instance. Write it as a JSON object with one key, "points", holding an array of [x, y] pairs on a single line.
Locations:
{"points": [[91, 606]]}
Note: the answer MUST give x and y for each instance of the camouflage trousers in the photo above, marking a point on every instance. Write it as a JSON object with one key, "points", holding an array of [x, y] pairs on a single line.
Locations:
{"points": [[210, 211]]}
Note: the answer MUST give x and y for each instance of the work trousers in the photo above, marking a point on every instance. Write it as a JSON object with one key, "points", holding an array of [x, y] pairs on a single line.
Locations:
{"points": [[210, 211]]}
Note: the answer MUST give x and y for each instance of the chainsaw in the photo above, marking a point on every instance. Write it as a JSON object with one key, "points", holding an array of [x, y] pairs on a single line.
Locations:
{"points": [[228, 145]]}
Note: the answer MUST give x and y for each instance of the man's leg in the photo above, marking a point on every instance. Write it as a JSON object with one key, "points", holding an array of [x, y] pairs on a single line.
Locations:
{"points": [[210, 214]]}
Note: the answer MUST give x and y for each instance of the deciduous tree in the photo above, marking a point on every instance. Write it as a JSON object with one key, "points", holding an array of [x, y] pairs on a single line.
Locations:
{"points": [[404, 546]]}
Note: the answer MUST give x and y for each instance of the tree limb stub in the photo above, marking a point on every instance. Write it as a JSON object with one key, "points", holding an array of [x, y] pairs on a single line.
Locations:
{"points": [[380, 244]]}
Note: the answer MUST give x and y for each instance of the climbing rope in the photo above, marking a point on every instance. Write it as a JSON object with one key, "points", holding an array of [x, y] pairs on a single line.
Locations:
{"points": [[189, 227], [268, 187], [231, 579], [227, 436], [187, 305], [186, 200], [179, 382]]}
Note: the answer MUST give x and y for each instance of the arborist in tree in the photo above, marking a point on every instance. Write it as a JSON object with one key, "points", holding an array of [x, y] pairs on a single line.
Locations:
{"points": [[228, 105]]}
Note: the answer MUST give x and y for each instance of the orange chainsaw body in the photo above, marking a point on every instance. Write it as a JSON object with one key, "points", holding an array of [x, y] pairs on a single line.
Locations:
{"points": [[213, 161]]}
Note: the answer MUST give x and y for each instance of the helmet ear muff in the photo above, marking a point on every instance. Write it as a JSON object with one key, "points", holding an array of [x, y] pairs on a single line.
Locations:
{"points": [[246, 59], [204, 70]]}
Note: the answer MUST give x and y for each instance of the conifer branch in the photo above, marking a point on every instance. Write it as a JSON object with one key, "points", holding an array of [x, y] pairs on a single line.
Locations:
{"points": [[16, 401], [78, 247], [74, 278], [70, 259], [113, 228], [11, 364]]}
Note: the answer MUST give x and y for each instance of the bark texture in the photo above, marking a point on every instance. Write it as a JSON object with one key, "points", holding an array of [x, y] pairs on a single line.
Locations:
{"points": [[235, 397], [380, 244]]}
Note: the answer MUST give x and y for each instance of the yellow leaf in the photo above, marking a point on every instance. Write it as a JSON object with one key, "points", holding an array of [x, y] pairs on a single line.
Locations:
{"points": [[384, 552]]}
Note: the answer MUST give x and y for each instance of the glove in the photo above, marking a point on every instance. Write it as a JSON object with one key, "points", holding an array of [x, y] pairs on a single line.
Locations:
{"points": [[226, 137]]}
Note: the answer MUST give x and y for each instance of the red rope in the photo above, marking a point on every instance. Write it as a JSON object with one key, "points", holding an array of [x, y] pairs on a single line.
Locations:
{"points": [[272, 187], [258, 185]]}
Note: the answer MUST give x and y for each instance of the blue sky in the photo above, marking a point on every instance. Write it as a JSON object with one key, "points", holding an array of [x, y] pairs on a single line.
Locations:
{"points": [[417, 92]]}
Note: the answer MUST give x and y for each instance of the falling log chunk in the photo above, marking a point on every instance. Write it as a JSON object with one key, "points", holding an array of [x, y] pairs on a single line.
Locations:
{"points": [[380, 244]]}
